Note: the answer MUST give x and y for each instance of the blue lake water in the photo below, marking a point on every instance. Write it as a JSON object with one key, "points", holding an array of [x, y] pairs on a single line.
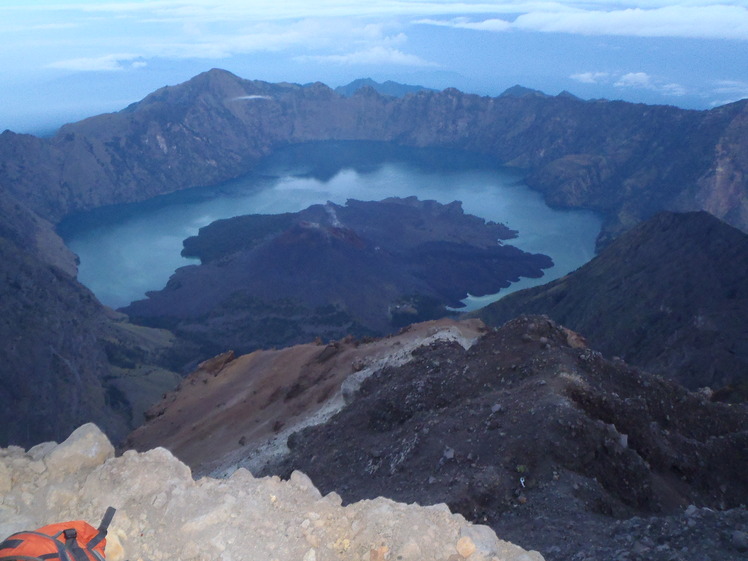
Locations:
{"points": [[127, 250]]}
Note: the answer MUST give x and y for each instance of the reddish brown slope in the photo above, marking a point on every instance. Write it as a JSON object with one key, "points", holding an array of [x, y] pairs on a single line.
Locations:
{"points": [[231, 407]]}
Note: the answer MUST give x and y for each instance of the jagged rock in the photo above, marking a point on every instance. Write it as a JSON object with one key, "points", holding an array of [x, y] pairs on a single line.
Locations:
{"points": [[164, 514], [85, 447], [217, 363]]}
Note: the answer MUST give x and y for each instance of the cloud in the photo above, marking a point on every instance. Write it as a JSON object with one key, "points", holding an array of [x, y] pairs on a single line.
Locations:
{"points": [[590, 77], [634, 80], [218, 29], [673, 89], [274, 10], [243, 97], [728, 91], [642, 80], [695, 19], [731, 87], [373, 56], [493, 24], [37, 27], [106, 63], [314, 36], [713, 21]]}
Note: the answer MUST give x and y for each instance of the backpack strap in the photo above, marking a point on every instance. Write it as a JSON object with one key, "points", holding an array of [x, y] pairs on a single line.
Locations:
{"points": [[103, 527], [27, 558], [72, 545]]}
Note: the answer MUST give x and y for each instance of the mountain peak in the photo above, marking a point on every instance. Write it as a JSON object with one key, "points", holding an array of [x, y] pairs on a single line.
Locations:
{"points": [[216, 79], [389, 88], [522, 91], [568, 95]]}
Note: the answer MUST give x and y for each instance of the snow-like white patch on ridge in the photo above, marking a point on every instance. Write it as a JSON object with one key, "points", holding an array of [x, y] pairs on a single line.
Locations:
{"points": [[243, 97]]}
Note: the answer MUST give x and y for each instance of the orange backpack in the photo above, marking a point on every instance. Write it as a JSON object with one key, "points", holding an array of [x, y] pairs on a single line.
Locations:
{"points": [[64, 541]]}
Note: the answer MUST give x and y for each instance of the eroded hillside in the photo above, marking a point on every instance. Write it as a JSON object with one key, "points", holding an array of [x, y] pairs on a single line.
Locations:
{"points": [[520, 428], [669, 296]]}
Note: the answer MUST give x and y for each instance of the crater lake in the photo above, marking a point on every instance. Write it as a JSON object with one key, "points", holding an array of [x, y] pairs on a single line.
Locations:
{"points": [[127, 250]]}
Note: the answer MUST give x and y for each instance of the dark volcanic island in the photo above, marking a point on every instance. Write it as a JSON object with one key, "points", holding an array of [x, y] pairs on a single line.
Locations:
{"points": [[366, 268]]}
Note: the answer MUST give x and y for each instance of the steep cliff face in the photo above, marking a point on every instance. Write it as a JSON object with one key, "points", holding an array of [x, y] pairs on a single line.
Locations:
{"points": [[33, 235], [669, 295], [64, 359], [721, 190], [625, 160], [50, 359]]}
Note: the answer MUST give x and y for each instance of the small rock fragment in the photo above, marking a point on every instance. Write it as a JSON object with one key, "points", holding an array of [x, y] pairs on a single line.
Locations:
{"points": [[378, 554], [739, 540], [465, 547]]}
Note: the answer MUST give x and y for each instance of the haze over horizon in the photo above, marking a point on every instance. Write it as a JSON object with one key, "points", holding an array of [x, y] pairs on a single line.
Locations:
{"points": [[64, 60]]}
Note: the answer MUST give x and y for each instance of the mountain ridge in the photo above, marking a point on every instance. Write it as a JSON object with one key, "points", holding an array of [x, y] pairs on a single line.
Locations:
{"points": [[387, 87], [668, 295], [517, 427], [624, 160]]}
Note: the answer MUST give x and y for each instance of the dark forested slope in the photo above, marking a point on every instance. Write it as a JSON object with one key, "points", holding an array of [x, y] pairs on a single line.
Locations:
{"points": [[670, 296]]}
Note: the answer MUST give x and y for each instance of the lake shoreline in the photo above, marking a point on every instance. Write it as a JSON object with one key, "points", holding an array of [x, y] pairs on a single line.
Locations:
{"points": [[110, 240]]}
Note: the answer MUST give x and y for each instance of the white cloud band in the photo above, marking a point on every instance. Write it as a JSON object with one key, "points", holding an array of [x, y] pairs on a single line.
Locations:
{"points": [[705, 20]]}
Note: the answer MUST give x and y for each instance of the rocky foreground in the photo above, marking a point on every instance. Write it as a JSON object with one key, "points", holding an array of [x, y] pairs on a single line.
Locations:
{"points": [[523, 428], [164, 514]]}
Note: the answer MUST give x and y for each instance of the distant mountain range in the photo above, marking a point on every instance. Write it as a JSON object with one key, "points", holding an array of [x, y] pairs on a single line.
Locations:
{"points": [[625, 161], [388, 87]]}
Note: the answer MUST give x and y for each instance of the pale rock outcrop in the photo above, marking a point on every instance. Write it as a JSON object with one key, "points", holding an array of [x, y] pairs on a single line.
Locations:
{"points": [[164, 514]]}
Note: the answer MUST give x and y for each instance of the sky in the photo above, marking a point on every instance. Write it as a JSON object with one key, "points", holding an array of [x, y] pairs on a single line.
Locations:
{"points": [[63, 60]]}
